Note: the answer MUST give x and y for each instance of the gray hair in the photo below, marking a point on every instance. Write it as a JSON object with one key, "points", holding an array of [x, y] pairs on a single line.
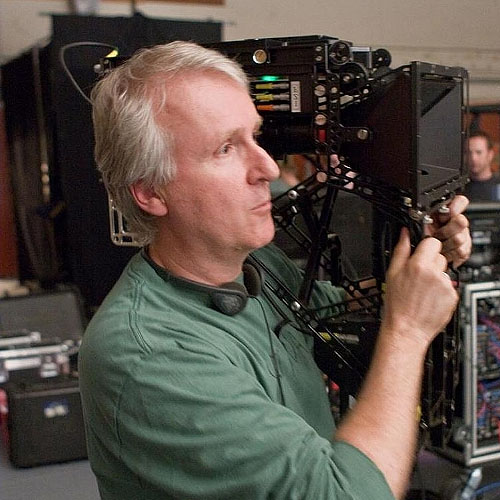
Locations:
{"points": [[130, 144]]}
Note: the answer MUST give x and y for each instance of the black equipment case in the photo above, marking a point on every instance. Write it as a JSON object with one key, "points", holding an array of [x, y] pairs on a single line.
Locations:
{"points": [[40, 334], [55, 314], [40, 406], [43, 421]]}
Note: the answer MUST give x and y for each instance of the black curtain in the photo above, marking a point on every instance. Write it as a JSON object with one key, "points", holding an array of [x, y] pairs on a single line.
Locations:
{"points": [[28, 128], [69, 234]]}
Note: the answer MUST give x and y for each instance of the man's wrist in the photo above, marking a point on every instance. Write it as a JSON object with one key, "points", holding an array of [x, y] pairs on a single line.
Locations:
{"points": [[399, 336]]}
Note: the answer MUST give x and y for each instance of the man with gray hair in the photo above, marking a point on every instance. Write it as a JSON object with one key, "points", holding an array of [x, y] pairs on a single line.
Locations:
{"points": [[189, 391]]}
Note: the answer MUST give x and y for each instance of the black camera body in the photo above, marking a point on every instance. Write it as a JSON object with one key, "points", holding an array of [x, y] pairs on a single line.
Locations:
{"points": [[299, 85], [402, 129]]}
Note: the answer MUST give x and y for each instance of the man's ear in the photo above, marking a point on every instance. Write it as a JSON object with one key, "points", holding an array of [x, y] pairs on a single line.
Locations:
{"points": [[148, 199]]}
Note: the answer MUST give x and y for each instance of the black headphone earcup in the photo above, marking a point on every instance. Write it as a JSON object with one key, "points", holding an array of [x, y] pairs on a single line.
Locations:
{"points": [[253, 278], [230, 298]]}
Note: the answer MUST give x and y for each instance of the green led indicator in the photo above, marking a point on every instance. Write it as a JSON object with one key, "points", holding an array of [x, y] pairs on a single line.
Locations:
{"points": [[269, 78]]}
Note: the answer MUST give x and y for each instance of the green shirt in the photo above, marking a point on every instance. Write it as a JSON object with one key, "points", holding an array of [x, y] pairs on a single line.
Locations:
{"points": [[182, 401]]}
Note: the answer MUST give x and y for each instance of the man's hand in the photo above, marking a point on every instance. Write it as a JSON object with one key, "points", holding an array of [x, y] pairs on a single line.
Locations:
{"points": [[452, 229], [419, 301], [420, 297]]}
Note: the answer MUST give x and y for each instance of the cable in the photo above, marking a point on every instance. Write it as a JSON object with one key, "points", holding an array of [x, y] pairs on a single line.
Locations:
{"points": [[62, 52], [486, 488], [273, 354]]}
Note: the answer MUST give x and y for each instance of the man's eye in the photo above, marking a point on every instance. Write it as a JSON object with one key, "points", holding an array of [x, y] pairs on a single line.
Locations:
{"points": [[225, 149]]}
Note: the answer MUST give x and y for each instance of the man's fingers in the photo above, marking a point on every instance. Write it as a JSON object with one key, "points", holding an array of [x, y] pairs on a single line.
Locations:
{"points": [[402, 251], [458, 204], [428, 246], [459, 223]]}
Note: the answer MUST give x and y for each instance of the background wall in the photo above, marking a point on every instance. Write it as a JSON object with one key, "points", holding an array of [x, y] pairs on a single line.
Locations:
{"points": [[451, 32]]}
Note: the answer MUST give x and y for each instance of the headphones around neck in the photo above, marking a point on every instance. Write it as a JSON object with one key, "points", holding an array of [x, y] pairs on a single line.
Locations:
{"points": [[231, 298]]}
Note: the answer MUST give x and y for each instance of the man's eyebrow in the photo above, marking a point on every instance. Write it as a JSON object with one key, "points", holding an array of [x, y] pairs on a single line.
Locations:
{"points": [[237, 130]]}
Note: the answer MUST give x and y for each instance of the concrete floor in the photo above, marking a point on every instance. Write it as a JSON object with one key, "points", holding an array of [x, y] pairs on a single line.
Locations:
{"points": [[67, 481]]}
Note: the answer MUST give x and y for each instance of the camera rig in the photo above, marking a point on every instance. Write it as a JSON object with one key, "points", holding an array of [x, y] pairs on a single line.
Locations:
{"points": [[394, 137]]}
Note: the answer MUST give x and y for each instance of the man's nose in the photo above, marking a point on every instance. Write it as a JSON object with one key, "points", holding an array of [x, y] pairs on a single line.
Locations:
{"points": [[263, 166]]}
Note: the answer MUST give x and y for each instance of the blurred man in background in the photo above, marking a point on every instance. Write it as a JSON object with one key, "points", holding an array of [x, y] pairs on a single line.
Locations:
{"points": [[484, 184]]}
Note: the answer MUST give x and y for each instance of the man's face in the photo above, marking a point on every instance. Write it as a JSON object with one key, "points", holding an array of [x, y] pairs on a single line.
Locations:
{"points": [[479, 158], [219, 200]]}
